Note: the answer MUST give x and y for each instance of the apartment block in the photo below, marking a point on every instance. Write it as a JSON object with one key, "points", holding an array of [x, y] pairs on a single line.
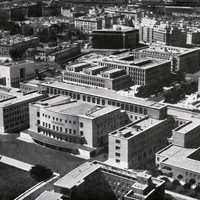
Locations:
{"points": [[88, 24], [96, 180], [79, 127], [134, 145], [16, 42]]}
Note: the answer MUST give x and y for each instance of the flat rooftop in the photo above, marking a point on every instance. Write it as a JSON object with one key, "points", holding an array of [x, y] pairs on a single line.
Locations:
{"points": [[180, 157], [77, 176], [107, 94], [135, 128], [10, 96], [64, 105], [138, 63], [188, 126]]}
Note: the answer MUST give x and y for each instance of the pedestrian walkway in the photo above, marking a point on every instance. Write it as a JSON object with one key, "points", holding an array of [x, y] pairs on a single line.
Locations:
{"points": [[15, 163]]}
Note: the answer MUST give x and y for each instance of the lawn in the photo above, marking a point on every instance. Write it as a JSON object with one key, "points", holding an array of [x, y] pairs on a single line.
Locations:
{"points": [[58, 161], [13, 182]]}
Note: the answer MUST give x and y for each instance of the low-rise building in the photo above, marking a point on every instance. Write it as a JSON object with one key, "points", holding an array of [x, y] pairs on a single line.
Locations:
{"points": [[96, 76], [118, 37], [135, 145], [96, 180], [72, 125], [14, 109]]}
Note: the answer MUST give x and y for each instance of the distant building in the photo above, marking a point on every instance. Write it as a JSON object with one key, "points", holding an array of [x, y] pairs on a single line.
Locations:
{"points": [[95, 180], [16, 42], [14, 108], [88, 24], [134, 145], [182, 59], [12, 73], [143, 71], [79, 127], [96, 76], [118, 37]]}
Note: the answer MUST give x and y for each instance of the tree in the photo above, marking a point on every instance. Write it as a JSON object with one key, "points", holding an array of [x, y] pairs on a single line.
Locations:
{"points": [[40, 173], [16, 54]]}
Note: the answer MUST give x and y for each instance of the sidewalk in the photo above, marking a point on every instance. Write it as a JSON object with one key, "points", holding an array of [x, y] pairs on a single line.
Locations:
{"points": [[15, 163]]}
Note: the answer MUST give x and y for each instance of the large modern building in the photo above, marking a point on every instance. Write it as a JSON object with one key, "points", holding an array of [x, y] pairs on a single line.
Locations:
{"points": [[18, 42], [95, 180], [143, 71], [118, 37], [12, 73], [14, 109], [96, 76], [182, 59], [134, 145], [66, 124], [104, 97]]}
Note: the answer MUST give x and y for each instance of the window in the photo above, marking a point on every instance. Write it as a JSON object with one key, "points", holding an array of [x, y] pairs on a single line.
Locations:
{"points": [[81, 124], [38, 114], [117, 154], [81, 133], [117, 141], [74, 131], [117, 147], [117, 160]]}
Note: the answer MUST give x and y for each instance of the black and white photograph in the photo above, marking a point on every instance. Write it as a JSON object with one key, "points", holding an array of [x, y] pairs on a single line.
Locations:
{"points": [[99, 99]]}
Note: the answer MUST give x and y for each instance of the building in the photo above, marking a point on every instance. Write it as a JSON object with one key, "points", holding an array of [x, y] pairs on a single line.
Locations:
{"points": [[88, 24], [134, 145], [79, 127], [186, 134], [62, 53], [96, 76], [118, 37], [16, 42], [104, 97], [182, 59], [142, 71], [14, 109], [95, 180], [12, 73], [180, 159], [180, 163]]}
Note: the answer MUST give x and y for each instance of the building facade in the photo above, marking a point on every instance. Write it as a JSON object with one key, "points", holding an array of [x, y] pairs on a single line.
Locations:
{"points": [[14, 109], [71, 125], [104, 97], [96, 76], [134, 145], [118, 37], [142, 71]]}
